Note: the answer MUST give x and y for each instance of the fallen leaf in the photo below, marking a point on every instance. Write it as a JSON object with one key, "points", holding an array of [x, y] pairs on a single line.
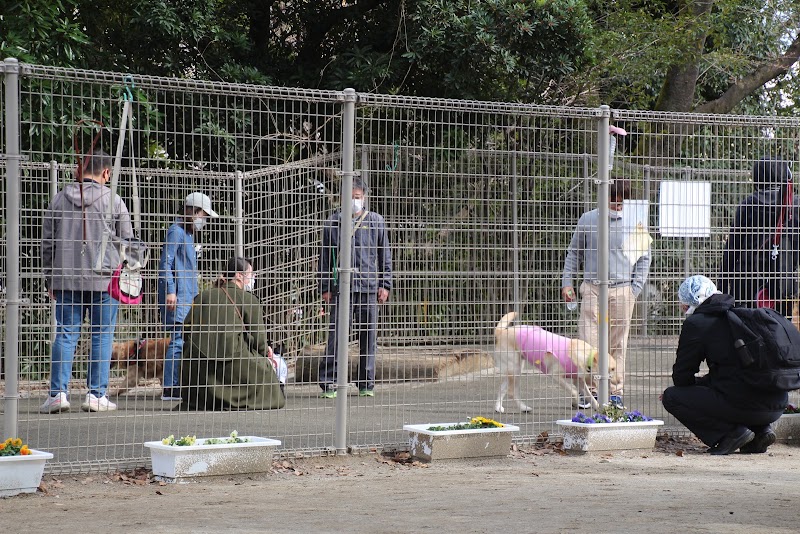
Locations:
{"points": [[159, 493]]}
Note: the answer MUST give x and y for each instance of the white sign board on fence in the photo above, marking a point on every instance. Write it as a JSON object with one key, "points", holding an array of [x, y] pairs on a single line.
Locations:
{"points": [[685, 209]]}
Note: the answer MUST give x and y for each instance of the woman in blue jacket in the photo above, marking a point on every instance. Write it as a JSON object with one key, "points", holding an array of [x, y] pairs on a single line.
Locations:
{"points": [[178, 285]]}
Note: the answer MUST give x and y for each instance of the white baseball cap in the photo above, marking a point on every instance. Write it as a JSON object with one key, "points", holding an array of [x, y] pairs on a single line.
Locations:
{"points": [[199, 200]]}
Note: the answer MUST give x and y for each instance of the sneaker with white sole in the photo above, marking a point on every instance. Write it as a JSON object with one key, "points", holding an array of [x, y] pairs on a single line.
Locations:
{"points": [[55, 404], [97, 404], [615, 401], [171, 394], [584, 402]]}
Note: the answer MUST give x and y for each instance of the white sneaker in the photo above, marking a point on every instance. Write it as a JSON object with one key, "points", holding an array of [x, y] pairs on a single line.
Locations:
{"points": [[97, 404], [55, 404]]}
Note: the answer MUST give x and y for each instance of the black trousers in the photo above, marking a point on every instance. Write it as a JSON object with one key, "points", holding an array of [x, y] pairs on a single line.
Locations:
{"points": [[708, 414], [364, 313]]}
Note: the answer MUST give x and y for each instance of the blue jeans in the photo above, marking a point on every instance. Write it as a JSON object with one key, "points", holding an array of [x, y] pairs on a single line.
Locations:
{"points": [[71, 307], [172, 359]]}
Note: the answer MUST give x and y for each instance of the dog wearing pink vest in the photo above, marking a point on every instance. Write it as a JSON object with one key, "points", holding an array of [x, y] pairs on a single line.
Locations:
{"points": [[570, 361]]}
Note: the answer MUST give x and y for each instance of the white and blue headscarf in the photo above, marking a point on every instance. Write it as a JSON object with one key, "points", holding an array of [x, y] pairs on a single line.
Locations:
{"points": [[695, 290]]}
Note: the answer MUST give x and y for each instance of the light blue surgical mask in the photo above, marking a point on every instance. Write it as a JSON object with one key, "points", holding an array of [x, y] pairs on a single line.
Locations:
{"points": [[358, 205], [199, 223]]}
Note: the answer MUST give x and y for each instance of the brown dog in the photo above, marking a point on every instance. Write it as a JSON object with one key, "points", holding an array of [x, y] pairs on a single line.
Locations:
{"points": [[141, 359], [570, 361]]}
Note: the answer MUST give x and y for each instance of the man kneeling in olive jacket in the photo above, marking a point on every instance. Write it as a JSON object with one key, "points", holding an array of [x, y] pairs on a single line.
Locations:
{"points": [[227, 361]]}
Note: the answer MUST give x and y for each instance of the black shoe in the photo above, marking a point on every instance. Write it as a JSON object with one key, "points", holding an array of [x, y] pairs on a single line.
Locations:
{"points": [[732, 441], [760, 443]]}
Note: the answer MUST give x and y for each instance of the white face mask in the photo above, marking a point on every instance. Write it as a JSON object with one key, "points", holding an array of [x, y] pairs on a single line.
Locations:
{"points": [[250, 285], [615, 213], [199, 223], [358, 205]]}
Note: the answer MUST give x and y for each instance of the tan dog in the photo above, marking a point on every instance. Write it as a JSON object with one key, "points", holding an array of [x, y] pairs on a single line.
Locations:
{"points": [[570, 361], [141, 359]]}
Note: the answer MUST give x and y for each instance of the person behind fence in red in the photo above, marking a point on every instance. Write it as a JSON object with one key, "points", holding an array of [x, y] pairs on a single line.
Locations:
{"points": [[228, 362], [762, 252], [72, 231], [178, 284], [371, 283], [627, 275], [721, 407]]}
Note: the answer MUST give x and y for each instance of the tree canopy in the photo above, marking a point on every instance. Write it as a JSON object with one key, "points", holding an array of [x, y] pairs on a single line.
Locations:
{"points": [[712, 56]]}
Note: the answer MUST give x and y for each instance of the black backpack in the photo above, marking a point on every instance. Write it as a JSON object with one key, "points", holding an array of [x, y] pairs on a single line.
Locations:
{"points": [[768, 347]]}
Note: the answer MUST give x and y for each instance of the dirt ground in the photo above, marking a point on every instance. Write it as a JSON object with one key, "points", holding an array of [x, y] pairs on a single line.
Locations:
{"points": [[675, 487]]}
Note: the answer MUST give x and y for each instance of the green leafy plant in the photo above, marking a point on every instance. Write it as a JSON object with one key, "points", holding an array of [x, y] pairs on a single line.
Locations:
{"points": [[187, 441], [234, 438]]}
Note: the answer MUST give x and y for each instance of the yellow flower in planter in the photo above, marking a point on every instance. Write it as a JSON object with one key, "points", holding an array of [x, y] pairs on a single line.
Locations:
{"points": [[475, 422], [185, 441], [14, 447], [483, 422]]}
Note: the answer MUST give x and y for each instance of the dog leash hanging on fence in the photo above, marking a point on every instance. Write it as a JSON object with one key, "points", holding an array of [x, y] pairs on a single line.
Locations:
{"points": [[126, 278]]}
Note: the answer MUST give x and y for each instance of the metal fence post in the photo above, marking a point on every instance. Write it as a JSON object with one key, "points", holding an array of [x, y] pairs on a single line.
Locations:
{"points": [[240, 214], [345, 268], [602, 245], [53, 193], [11, 398], [515, 234]]}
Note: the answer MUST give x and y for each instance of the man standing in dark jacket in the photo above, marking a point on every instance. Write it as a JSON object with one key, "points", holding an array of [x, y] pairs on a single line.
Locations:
{"points": [[720, 408], [748, 262], [371, 283]]}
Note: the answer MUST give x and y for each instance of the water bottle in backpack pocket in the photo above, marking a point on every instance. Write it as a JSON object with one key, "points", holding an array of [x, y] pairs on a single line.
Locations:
{"points": [[768, 347]]}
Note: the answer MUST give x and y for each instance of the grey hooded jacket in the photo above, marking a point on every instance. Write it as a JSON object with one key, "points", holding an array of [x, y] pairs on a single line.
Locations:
{"points": [[66, 253]]}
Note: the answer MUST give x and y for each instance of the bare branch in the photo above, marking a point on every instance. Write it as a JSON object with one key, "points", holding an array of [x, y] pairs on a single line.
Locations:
{"points": [[744, 87]]}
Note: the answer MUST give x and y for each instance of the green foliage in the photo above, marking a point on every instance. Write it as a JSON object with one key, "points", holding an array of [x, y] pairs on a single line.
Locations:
{"points": [[43, 31], [617, 52], [497, 50], [637, 43]]}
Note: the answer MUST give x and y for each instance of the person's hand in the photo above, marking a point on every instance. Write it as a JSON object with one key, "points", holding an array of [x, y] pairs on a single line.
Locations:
{"points": [[568, 293], [52, 295], [172, 302], [383, 294], [327, 297]]}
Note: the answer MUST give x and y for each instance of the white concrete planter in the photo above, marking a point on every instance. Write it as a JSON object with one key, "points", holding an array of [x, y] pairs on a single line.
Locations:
{"points": [[22, 474], [429, 445], [173, 462], [787, 428], [586, 437]]}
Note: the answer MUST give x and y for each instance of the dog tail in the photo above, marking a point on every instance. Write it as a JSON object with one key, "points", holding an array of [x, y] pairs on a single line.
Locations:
{"points": [[505, 322]]}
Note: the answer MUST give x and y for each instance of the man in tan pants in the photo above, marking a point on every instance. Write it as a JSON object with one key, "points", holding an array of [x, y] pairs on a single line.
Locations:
{"points": [[626, 276]]}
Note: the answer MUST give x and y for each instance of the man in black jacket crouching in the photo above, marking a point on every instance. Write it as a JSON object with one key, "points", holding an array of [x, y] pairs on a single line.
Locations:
{"points": [[720, 408]]}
